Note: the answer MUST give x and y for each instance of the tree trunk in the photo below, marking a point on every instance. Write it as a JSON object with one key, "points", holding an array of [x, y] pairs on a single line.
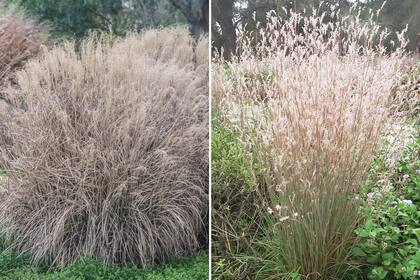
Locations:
{"points": [[222, 12], [197, 14]]}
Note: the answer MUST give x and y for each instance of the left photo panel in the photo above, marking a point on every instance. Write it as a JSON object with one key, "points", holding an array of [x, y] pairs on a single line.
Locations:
{"points": [[104, 139]]}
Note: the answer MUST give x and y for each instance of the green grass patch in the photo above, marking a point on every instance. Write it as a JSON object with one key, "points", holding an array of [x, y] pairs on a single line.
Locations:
{"points": [[13, 266]]}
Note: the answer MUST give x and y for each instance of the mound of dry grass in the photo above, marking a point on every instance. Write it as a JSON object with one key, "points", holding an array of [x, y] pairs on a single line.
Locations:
{"points": [[109, 157], [20, 40]]}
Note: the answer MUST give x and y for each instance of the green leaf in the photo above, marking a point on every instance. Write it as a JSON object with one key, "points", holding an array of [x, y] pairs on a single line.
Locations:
{"points": [[374, 259], [378, 273], [358, 252], [387, 259], [362, 232]]}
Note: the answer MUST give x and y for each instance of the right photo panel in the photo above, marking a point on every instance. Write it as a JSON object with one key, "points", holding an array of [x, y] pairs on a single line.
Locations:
{"points": [[315, 139]]}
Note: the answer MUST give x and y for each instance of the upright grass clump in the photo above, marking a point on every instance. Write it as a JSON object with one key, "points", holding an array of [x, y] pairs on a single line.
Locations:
{"points": [[108, 158], [310, 97], [20, 40]]}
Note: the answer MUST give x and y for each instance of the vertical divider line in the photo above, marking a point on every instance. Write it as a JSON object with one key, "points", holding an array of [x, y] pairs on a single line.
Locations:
{"points": [[210, 130]]}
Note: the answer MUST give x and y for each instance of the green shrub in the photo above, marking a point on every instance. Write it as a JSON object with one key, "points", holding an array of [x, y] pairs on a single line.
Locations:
{"points": [[390, 237]]}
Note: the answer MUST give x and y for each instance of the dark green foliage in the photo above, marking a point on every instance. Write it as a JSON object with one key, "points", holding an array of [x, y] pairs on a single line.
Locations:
{"points": [[397, 14], [152, 13], [77, 17], [390, 237], [13, 266]]}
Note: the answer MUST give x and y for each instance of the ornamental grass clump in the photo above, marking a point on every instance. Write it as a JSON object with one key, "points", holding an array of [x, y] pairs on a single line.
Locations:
{"points": [[108, 158], [20, 40], [310, 97]]}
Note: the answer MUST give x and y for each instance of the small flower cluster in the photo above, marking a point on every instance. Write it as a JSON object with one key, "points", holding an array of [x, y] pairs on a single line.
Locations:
{"points": [[278, 210], [372, 196], [398, 135]]}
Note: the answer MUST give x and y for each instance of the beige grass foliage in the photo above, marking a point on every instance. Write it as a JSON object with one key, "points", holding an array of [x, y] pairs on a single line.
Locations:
{"points": [[20, 40], [109, 157], [310, 98]]}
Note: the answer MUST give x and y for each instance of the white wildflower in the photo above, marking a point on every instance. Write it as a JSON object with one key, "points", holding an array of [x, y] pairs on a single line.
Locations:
{"points": [[407, 202], [282, 219], [390, 139]]}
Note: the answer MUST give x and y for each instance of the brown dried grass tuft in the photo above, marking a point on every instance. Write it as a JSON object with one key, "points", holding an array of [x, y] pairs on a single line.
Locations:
{"points": [[109, 158], [20, 40]]}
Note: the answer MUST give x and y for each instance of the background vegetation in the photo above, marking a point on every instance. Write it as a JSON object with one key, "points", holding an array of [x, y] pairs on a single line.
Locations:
{"points": [[76, 18], [230, 14]]}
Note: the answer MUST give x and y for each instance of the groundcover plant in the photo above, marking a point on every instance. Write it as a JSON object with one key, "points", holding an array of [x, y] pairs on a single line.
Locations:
{"points": [[107, 156], [303, 104]]}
